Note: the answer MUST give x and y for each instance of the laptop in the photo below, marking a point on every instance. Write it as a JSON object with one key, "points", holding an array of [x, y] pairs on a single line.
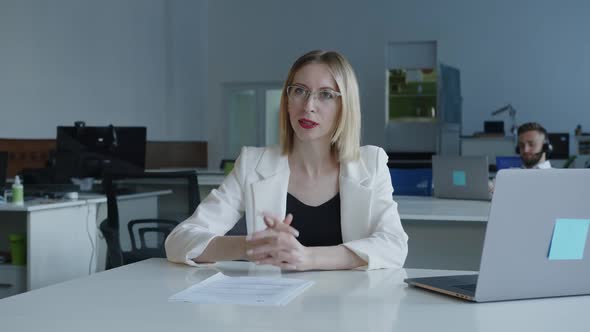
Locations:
{"points": [[461, 177], [536, 238]]}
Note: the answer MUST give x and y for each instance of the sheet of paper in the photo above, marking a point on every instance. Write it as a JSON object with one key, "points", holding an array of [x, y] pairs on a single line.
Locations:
{"points": [[221, 289]]}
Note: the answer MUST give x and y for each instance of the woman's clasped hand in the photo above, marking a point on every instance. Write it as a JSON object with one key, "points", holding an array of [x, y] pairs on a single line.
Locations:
{"points": [[278, 245]]}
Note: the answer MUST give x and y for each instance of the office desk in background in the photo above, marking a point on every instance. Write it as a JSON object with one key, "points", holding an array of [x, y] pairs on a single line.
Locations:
{"points": [[411, 208], [62, 237], [135, 298], [209, 179], [444, 233]]}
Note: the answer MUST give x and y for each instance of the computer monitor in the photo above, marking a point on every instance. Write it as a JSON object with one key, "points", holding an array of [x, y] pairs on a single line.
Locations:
{"points": [[493, 127], [88, 151], [503, 162], [561, 145], [3, 168]]}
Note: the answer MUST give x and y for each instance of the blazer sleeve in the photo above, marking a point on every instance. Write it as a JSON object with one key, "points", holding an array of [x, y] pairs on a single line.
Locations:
{"points": [[216, 215], [387, 245]]}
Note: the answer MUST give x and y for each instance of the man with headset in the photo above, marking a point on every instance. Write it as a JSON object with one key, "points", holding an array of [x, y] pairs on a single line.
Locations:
{"points": [[533, 146]]}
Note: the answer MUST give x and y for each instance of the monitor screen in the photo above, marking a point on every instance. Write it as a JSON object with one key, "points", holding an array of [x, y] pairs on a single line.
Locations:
{"points": [[561, 145], [87, 151], [3, 168]]}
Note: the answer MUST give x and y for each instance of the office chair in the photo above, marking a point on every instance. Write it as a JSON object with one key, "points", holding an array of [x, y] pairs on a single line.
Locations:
{"points": [[411, 181], [147, 235]]}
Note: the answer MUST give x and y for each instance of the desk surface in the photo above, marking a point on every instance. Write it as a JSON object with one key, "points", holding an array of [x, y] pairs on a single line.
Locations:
{"points": [[410, 207], [204, 171], [436, 209], [207, 177], [38, 204], [134, 298]]}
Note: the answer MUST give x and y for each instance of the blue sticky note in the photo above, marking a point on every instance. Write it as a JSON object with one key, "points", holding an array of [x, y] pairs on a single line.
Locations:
{"points": [[459, 178], [569, 239]]}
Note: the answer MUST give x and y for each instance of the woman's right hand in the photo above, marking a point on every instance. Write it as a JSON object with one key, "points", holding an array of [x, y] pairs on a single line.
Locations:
{"points": [[273, 224], [276, 228], [284, 226]]}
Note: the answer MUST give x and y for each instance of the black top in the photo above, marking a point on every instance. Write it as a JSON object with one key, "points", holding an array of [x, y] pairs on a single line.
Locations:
{"points": [[317, 225]]}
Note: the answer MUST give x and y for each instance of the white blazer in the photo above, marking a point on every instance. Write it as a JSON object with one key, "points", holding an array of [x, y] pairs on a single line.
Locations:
{"points": [[370, 223]]}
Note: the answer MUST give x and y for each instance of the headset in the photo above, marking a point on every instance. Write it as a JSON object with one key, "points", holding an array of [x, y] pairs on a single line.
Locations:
{"points": [[547, 147]]}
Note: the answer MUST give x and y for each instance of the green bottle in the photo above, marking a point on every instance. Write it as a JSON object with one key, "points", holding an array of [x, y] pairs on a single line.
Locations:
{"points": [[18, 196]]}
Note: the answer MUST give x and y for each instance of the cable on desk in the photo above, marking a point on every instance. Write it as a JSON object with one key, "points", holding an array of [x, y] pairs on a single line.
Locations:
{"points": [[90, 237]]}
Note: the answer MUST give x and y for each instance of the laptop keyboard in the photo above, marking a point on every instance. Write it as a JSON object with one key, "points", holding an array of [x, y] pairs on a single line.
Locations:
{"points": [[468, 287]]}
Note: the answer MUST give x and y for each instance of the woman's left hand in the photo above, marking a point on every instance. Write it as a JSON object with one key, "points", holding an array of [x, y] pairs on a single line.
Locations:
{"points": [[278, 246]]}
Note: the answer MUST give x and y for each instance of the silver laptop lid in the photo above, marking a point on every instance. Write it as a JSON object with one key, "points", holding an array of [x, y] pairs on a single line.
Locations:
{"points": [[464, 177], [536, 241]]}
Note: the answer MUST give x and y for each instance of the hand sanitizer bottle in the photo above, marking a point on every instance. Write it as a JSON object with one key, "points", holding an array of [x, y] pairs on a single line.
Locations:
{"points": [[17, 192]]}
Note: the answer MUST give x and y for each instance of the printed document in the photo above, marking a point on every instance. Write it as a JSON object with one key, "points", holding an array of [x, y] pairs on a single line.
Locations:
{"points": [[221, 289]]}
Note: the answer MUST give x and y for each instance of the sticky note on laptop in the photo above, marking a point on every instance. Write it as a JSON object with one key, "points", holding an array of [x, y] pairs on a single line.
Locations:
{"points": [[459, 178], [569, 239]]}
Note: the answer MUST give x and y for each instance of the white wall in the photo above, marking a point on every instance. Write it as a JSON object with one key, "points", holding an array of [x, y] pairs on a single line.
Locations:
{"points": [[161, 63], [187, 113], [253, 41], [131, 62], [532, 54]]}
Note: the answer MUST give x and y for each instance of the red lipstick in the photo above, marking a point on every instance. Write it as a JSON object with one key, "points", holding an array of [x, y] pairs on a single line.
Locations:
{"points": [[307, 124]]}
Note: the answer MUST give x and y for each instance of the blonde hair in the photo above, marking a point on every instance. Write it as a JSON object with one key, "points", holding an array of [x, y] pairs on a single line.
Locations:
{"points": [[346, 137]]}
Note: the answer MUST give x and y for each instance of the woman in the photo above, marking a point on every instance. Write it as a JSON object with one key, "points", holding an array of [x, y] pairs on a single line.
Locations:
{"points": [[336, 196]]}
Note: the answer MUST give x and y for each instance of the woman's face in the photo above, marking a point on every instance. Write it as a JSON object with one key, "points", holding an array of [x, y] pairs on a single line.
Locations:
{"points": [[314, 103]]}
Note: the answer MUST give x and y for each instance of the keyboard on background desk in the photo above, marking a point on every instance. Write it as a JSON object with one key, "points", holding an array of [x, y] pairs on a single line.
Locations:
{"points": [[60, 193], [30, 195]]}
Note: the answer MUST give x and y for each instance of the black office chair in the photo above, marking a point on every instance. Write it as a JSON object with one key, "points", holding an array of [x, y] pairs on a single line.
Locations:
{"points": [[146, 236]]}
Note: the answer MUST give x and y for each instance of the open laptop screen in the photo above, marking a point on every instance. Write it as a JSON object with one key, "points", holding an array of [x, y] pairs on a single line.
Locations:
{"points": [[461, 177]]}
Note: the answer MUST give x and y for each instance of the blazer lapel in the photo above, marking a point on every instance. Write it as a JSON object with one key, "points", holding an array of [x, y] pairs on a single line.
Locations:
{"points": [[355, 200], [270, 192]]}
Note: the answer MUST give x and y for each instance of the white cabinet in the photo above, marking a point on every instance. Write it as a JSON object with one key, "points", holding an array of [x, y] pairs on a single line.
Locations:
{"points": [[62, 238]]}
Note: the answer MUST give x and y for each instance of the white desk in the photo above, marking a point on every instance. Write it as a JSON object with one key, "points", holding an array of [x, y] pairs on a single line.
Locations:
{"points": [[417, 208], [207, 177], [420, 208], [134, 298], [62, 240], [212, 178], [171, 205], [443, 233]]}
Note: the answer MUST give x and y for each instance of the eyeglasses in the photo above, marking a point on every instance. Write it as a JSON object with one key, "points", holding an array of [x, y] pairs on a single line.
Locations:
{"points": [[299, 95]]}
